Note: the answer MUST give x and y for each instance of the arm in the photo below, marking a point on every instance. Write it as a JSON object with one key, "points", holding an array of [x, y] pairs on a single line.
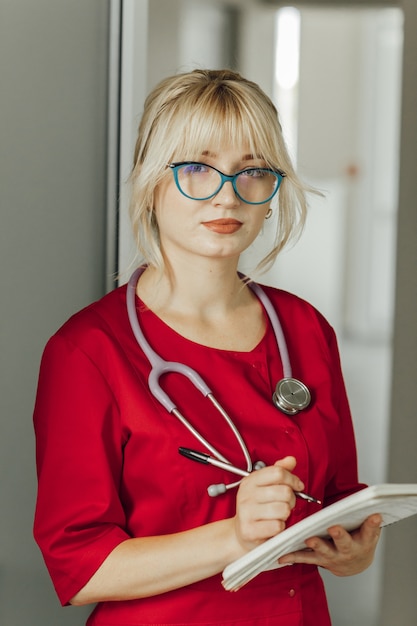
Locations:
{"points": [[81, 523], [149, 566]]}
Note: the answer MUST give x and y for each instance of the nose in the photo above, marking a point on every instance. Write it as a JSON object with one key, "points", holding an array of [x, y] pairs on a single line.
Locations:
{"points": [[226, 195]]}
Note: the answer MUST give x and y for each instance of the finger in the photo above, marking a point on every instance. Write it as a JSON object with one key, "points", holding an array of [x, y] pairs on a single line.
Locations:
{"points": [[274, 510], [370, 530], [318, 552], [342, 541], [259, 531], [287, 465], [279, 474], [368, 533], [372, 525], [276, 493], [306, 556]]}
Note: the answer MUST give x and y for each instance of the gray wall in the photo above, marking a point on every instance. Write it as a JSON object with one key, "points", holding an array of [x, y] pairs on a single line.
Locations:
{"points": [[399, 600], [53, 77]]}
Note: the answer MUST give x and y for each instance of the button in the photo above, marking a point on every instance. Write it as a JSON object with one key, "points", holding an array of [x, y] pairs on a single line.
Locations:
{"points": [[291, 593]]}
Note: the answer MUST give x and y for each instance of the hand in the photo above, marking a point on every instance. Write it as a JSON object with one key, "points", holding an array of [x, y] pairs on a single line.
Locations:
{"points": [[344, 554], [264, 502]]}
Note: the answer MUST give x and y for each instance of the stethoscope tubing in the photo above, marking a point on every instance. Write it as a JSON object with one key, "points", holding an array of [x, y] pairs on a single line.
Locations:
{"points": [[159, 367], [276, 324]]}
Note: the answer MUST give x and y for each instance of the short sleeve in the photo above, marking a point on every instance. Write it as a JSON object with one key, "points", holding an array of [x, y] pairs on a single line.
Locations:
{"points": [[79, 518]]}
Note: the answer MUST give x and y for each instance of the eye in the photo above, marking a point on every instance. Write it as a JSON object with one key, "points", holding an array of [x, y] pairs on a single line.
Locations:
{"points": [[194, 168], [254, 172]]}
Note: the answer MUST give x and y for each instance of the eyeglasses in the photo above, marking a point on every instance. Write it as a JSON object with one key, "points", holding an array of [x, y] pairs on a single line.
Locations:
{"points": [[198, 181]]}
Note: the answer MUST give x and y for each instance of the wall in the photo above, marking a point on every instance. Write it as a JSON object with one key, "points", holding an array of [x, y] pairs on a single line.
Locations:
{"points": [[398, 597], [53, 76]]}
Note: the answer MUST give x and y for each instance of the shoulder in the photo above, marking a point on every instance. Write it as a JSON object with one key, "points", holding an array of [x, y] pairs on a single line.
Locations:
{"points": [[299, 318], [102, 320], [289, 304]]}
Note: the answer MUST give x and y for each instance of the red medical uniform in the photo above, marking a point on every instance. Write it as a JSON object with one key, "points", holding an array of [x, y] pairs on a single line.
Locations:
{"points": [[109, 467]]}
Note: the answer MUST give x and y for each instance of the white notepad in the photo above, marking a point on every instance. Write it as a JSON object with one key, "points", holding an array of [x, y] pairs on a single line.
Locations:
{"points": [[394, 502]]}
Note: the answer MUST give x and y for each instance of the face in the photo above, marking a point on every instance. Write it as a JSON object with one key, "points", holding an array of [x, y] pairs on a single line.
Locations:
{"points": [[220, 227]]}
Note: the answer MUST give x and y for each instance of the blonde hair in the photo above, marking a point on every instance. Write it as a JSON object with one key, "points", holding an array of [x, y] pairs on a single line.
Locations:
{"points": [[184, 115]]}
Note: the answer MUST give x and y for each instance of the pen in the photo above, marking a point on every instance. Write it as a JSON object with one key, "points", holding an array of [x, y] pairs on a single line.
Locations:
{"points": [[201, 457]]}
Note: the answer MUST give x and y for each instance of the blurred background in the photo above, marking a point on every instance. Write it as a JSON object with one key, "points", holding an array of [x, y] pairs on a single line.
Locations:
{"points": [[342, 74]]}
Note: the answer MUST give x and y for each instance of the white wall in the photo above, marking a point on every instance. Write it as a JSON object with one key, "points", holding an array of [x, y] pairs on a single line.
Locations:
{"points": [[356, 599], [334, 156], [161, 37]]}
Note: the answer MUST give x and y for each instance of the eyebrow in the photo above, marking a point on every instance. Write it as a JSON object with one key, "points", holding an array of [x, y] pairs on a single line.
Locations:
{"points": [[246, 157]]}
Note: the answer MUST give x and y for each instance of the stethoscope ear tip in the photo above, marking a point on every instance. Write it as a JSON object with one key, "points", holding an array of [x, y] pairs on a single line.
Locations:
{"points": [[216, 490]]}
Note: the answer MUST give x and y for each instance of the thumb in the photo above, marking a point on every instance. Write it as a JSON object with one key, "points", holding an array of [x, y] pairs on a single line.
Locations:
{"points": [[288, 463]]}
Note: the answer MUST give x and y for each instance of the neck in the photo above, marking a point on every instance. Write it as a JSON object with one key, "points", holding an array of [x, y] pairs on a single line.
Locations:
{"points": [[206, 303], [201, 286]]}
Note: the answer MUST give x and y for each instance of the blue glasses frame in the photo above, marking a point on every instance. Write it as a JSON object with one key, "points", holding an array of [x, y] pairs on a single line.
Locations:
{"points": [[279, 175]]}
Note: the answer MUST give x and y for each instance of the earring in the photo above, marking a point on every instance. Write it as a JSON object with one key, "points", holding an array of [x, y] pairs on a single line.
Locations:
{"points": [[269, 213]]}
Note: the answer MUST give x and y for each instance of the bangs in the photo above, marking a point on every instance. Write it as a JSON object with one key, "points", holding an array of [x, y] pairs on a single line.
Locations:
{"points": [[219, 117]]}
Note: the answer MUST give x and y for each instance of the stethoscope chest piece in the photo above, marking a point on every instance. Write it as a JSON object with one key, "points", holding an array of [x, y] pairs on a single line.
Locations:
{"points": [[291, 396]]}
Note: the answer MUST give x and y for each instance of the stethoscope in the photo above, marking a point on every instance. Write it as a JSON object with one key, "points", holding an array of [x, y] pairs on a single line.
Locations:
{"points": [[290, 395]]}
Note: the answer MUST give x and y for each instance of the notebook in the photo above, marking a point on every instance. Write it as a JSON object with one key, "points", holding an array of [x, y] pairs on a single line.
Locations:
{"points": [[393, 501]]}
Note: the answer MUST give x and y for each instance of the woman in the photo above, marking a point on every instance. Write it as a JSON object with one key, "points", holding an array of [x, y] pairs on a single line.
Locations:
{"points": [[123, 519]]}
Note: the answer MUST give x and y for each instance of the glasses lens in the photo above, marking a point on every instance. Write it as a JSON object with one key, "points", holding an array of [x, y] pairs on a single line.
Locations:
{"points": [[257, 185], [198, 181]]}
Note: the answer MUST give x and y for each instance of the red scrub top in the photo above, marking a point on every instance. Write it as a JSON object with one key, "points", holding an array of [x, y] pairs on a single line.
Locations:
{"points": [[109, 467]]}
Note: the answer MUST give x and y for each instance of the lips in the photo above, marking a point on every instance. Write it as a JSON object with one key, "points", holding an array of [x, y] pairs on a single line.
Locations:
{"points": [[224, 226]]}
